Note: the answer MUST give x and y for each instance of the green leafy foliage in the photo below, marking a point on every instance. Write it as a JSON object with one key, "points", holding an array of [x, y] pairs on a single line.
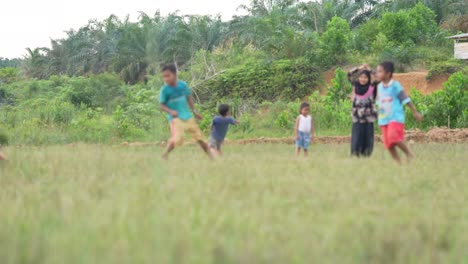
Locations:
{"points": [[100, 83], [283, 79], [340, 89], [445, 67], [446, 107], [416, 24], [335, 40]]}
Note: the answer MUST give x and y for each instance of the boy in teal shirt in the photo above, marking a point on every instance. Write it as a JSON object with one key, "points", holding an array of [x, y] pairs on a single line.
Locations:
{"points": [[175, 100]]}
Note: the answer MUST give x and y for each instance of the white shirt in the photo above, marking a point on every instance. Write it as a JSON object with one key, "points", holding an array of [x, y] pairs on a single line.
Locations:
{"points": [[305, 123]]}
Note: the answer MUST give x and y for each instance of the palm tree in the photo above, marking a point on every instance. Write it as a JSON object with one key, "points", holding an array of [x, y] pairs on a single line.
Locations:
{"points": [[35, 63]]}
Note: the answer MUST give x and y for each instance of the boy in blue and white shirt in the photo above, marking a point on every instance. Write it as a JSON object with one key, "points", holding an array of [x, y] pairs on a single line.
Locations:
{"points": [[219, 128]]}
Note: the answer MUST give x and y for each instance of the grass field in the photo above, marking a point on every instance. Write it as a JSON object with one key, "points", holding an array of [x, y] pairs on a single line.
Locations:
{"points": [[104, 204]]}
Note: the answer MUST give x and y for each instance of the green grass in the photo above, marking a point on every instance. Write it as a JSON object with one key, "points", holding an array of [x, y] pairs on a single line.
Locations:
{"points": [[103, 204]]}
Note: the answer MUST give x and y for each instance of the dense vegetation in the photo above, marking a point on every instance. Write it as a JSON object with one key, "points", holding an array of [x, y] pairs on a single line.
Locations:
{"points": [[100, 83]]}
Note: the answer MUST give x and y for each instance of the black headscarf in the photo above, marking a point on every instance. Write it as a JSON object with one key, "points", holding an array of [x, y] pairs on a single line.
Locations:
{"points": [[362, 89]]}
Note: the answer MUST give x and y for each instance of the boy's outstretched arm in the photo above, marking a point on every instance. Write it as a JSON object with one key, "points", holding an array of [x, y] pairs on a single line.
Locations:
{"points": [[169, 111], [416, 114], [192, 106]]}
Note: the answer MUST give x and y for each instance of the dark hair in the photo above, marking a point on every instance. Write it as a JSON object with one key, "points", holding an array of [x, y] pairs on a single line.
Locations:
{"points": [[388, 66], [367, 74], [304, 105], [169, 67], [223, 109]]}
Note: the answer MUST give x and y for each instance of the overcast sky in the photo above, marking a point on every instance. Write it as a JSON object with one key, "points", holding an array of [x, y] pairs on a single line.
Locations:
{"points": [[32, 23]]}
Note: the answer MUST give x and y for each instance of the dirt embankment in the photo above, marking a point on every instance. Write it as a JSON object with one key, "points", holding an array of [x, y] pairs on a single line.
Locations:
{"points": [[408, 80], [435, 135]]}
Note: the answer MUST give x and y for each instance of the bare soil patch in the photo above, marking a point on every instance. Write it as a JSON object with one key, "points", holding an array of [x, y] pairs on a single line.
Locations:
{"points": [[435, 135], [408, 80]]}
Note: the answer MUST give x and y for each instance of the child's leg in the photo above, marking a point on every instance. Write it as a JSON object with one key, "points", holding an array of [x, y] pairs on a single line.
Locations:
{"points": [[298, 151], [170, 147], [394, 153], [205, 147], [306, 152], [177, 132], [195, 132], [405, 149]]}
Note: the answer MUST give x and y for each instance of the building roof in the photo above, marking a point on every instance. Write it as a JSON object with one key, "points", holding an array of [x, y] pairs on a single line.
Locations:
{"points": [[461, 36]]}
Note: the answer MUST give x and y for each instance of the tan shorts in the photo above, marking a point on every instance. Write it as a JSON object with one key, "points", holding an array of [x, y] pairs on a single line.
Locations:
{"points": [[179, 127]]}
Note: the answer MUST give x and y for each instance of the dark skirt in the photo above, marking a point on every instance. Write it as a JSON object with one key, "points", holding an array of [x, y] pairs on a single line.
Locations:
{"points": [[362, 139]]}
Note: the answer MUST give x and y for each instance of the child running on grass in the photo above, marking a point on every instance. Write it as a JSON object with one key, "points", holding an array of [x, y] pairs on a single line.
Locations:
{"points": [[175, 100], [304, 129], [363, 112], [219, 128], [391, 101]]}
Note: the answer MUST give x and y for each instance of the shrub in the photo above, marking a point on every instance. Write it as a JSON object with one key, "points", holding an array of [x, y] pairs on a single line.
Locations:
{"points": [[416, 24], [4, 139], [335, 40], [445, 67], [365, 35], [340, 89], [8, 75], [282, 79], [446, 107]]}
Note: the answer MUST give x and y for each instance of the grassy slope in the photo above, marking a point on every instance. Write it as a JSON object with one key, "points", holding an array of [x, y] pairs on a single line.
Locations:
{"points": [[102, 204]]}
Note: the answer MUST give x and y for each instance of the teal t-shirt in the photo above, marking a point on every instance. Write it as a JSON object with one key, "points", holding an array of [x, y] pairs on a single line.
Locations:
{"points": [[175, 98], [391, 101]]}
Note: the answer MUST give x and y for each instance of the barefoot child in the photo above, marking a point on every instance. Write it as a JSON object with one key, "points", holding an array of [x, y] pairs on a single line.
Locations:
{"points": [[363, 112], [219, 128], [391, 100], [175, 100], [304, 129]]}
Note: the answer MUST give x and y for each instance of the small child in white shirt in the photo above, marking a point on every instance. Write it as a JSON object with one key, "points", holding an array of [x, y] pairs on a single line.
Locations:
{"points": [[304, 129]]}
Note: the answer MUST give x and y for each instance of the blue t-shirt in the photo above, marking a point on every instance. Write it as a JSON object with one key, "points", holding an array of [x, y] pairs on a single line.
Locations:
{"points": [[175, 98], [220, 127], [391, 101]]}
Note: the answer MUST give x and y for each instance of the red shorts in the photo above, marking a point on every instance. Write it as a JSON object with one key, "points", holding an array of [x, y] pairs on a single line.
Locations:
{"points": [[392, 134]]}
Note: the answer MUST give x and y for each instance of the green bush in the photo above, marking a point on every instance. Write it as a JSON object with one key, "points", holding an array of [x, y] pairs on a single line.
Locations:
{"points": [[282, 79], [335, 40], [417, 25], [340, 89], [365, 35], [445, 67], [446, 107], [4, 138], [103, 90]]}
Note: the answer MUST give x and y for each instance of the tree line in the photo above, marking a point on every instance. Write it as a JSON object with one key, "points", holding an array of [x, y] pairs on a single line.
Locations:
{"points": [[281, 29]]}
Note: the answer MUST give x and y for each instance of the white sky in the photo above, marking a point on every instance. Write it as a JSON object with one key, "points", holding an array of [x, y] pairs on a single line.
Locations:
{"points": [[32, 23]]}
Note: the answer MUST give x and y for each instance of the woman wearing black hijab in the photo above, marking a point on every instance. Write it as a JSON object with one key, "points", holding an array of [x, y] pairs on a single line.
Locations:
{"points": [[364, 113]]}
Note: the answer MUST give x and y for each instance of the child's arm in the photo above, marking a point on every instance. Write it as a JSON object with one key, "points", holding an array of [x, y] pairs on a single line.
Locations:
{"points": [[416, 114], [296, 128], [168, 110], [405, 100], [192, 106], [312, 128]]}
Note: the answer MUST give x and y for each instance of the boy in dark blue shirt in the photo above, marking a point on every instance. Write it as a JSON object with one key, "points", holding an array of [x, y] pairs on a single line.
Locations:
{"points": [[219, 128]]}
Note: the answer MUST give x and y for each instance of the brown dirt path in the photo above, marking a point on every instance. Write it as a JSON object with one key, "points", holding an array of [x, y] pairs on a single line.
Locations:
{"points": [[435, 135]]}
